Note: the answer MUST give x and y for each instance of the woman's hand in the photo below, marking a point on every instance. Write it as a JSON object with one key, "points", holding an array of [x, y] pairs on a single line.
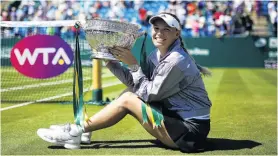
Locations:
{"points": [[123, 54]]}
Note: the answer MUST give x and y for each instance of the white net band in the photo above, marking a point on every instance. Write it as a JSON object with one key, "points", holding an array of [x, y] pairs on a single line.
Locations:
{"points": [[38, 23]]}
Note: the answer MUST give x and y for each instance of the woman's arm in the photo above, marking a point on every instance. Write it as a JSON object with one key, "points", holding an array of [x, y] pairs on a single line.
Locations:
{"points": [[121, 73]]}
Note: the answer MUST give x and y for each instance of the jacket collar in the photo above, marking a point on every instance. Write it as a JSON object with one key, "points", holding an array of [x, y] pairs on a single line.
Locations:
{"points": [[154, 56]]}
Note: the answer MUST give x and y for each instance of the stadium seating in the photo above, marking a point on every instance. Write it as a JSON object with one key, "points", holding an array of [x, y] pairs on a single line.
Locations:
{"points": [[126, 11]]}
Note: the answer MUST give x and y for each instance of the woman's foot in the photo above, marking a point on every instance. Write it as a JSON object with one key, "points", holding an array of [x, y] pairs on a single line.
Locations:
{"points": [[85, 137], [69, 138]]}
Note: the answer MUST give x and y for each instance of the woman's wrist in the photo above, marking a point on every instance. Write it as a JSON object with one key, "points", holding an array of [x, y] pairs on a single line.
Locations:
{"points": [[133, 67], [106, 62]]}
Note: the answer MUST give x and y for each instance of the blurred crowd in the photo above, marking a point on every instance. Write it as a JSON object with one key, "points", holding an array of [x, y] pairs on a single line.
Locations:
{"points": [[198, 18]]}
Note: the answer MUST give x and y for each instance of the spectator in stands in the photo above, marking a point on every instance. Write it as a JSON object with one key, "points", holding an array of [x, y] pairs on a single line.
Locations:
{"points": [[161, 97], [118, 8], [247, 23], [138, 4], [228, 22], [5, 15], [273, 17], [191, 8], [202, 23], [237, 25], [217, 17], [275, 27], [143, 16], [129, 4], [13, 14], [172, 7]]}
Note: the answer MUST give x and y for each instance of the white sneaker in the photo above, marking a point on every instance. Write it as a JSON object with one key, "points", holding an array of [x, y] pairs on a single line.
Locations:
{"points": [[85, 137], [70, 139]]}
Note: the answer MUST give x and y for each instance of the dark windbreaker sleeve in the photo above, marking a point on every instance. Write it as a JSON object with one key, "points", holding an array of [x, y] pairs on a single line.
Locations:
{"points": [[122, 73]]}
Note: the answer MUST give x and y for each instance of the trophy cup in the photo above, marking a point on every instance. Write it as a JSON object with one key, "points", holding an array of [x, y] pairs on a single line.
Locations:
{"points": [[104, 34]]}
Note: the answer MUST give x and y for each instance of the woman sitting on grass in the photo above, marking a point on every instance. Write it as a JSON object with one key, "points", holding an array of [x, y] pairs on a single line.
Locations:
{"points": [[172, 104]]}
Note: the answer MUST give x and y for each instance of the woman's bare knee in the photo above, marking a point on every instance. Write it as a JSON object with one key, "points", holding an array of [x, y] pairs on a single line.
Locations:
{"points": [[127, 100]]}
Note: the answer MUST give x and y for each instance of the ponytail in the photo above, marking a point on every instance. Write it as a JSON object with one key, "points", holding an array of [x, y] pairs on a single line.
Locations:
{"points": [[204, 70]]}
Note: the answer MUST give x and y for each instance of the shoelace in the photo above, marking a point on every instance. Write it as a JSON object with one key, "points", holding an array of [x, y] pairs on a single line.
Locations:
{"points": [[62, 137], [66, 127]]}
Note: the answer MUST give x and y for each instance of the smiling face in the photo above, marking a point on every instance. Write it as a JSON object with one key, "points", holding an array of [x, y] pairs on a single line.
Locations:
{"points": [[163, 35]]}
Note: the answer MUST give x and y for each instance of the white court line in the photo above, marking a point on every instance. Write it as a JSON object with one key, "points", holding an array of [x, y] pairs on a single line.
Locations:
{"points": [[32, 80], [43, 84], [54, 97], [39, 85]]}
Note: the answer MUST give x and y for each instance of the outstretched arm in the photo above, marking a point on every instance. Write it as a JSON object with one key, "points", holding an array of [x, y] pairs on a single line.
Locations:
{"points": [[120, 72]]}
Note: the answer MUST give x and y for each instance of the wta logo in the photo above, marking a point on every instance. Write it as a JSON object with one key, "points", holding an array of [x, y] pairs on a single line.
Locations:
{"points": [[41, 56]]}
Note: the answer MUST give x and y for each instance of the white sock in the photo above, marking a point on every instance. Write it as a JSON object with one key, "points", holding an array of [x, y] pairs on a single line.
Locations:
{"points": [[75, 130]]}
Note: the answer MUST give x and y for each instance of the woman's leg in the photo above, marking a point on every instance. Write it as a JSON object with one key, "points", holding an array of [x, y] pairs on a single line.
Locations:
{"points": [[127, 103]]}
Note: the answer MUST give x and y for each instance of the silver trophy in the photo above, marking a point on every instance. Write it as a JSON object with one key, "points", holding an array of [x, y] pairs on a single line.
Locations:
{"points": [[104, 34]]}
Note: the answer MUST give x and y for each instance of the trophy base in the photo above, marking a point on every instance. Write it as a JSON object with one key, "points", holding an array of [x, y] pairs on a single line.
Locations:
{"points": [[103, 56]]}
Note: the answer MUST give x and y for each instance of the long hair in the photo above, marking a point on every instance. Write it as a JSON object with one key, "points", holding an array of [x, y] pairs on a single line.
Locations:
{"points": [[204, 70]]}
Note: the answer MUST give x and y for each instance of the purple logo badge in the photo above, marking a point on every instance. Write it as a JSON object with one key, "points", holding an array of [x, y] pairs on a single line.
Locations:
{"points": [[41, 56]]}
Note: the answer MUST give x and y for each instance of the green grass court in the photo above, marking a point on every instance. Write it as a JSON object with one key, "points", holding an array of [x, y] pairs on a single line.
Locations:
{"points": [[243, 118]]}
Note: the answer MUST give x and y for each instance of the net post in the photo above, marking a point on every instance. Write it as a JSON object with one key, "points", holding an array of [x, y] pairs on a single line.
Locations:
{"points": [[96, 86]]}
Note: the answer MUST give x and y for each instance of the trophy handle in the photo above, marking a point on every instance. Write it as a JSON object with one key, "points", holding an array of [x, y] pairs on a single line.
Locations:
{"points": [[79, 24]]}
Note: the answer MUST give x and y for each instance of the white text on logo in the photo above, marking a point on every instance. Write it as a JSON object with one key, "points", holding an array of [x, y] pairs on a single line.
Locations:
{"points": [[45, 53]]}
